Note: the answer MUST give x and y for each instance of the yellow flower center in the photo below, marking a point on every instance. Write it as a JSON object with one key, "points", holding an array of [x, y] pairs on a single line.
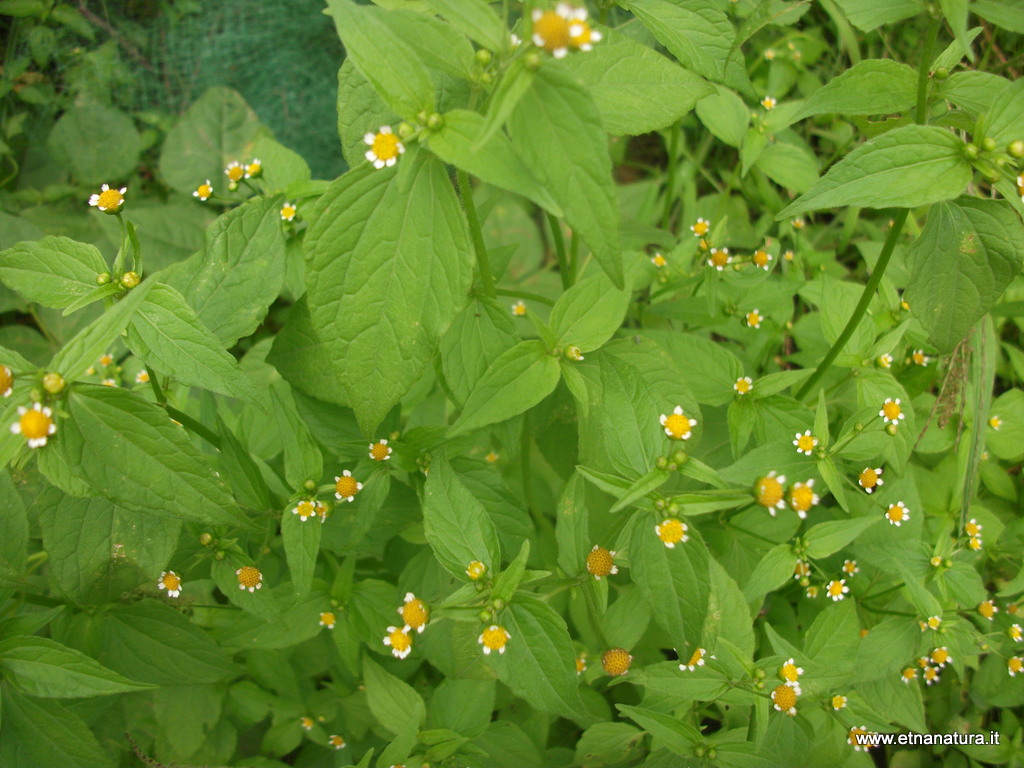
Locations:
{"points": [[761, 258], [415, 613], [805, 443], [495, 638], [753, 319], [892, 411], [987, 609], [784, 697], [1016, 664], [835, 588], [379, 452], [940, 656], [850, 566], [802, 569], [328, 618], [305, 509], [171, 580], [581, 36], [288, 212], [581, 665], [400, 640], [307, 722], [385, 146], [838, 702], [337, 742], [678, 425], [895, 513], [6, 378], [697, 658], [519, 309], [918, 357], [995, 422], [600, 562], [1016, 632], [909, 673], [35, 424], [790, 673], [700, 228], [235, 172], [868, 478], [933, 622], [346, 486], [743, 386], [972, 528], [553, 31], [671, 530], [769, 492], [492, 457], [719, 258], [204, 190], [476, 570], [616, 661], [111, 199], [659, 260], [801, 497], [254, 168], [249, 576]]}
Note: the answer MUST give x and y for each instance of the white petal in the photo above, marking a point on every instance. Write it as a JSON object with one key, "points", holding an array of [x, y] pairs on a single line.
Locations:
{"points": [[369, 137]]}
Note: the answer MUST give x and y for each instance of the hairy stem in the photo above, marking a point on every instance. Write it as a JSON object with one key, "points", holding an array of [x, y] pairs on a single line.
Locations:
{"points": [[483, 262]]}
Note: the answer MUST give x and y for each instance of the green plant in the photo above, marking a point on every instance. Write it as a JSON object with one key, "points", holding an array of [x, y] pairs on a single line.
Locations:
{"points": [[593, 417]]}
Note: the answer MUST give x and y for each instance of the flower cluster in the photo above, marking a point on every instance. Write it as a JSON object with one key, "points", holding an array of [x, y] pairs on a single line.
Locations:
{"points": [[769, 492], [563, 29], [415, 616]]}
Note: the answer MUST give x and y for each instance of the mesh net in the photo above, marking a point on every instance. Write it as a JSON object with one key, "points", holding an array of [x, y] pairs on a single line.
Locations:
{"points": [[282, 56]]}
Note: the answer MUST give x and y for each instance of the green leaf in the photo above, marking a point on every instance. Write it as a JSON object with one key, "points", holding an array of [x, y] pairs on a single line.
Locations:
{"points": [[128, 450], [572, 529], [395, 704], [636, 90], [463, 706], [788, 165], [493, 160], [476, 20], [360, 111], [1006, 118], [675, 582], [589, 313], [438, 45], [238, 274], [477, 337], [608, 744], [456, 524], [282, 168], [725, 115], [540, 663], [39, 732], [556, 128], [168, 336], [302, 458], [219, 128], [955, 12], [519, 379], [774, 569], [88, 344], [867, 15], [834, 480], [301, 547], [380, 294], [905, 167], [955, 52], [261, 603], [299, 354], [42, 667], [387, 61], [1002, 13], [247, 484], [966, 256], [828, 538], [641, 488], [14, 527], [508, 580], [154, 643], [674, 735], [54, 271], [872, 87], [109, 160]]}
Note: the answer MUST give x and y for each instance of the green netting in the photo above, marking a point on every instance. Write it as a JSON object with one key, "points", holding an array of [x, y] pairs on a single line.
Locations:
{"points": [[282, 56]]}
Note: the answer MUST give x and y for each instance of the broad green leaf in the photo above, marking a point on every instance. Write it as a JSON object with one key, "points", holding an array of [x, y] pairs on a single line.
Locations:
{"points": [[770, 13], [828, 538], [395, 70], [476, 20], [973, 91], [955, 12], [831, 643], [37, 732], [85, 347], [54, 271], [572, 529], [394, 703], [168, 336], [905, 167], [42, 667], [539, 664], [729, 618], [636, 90], [360, 111], [519, 379], [219, 128], [834, 480], [282, 167], [154, 643], [1002, 13], [247, 484], [291, 626], [788, 165], [673, 734], [463, 706], [709, 369], [302, 458], [301, 547], [438, 45], [1006, 118], [556, 128], [511, 88], [589, 313], [507, 582], [493, 160], [456, 524], [238, 274], [725, 115], [185, 715], [145, 463], [867, 15], [14, 527], [955, 51], [380, 294], [774, 569], [97, 144], [476, 338], [966, 256], [641, 488], [99, 551], [872, 87], [15, 361], [260, 602], [299, 355], [608, 744], [675, 582]]}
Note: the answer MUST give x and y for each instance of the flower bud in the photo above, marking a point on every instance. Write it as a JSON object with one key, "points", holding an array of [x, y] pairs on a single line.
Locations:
{"points": [[485, 616], [532, 60], [988, 144], [970, 151], [219, 555], [498, 604], [679, 457], [54, 383], [573, 352], [405, 130], [890, 429], [206, 539], [1016, 149], [435, 122], [941, 73], [483, 56], [102, 278], [309, 486], [486, 78], [130, 280], [661, 462]]}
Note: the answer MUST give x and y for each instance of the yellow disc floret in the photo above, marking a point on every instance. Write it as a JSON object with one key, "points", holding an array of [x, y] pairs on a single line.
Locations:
{"points": [[494, 638], [838, 702], [346, 487], [109, 199], [35, 424], [249, 578], [476, 570], [784, 699], [400, 641], [616, 661], [328, 619], [414, 613], [768, 492], [987, 609], [701, 228], [762, 259], [744, 385], [719, 258], [289, 211], [235, 172], [790, 672], [204, 191], [805, 443], [380, 451], [870, 478], [1014, 666], [170, 581], [672, 531], [601, 562], [551, 30], [384, 147], [897, 514], [754, 318], [696, 660], [6, 381], [336, 741], [802, 497], [677, 425], [891, 411]]}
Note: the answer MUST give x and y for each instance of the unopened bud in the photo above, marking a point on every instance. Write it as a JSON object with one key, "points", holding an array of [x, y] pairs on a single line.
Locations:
{"points": [[891, 429], [573, 352], [1016, 149], [130, 279], [532, 60], [102, 278], [679, 457], [661, 462], [405, 130], [435, 122], [483, 56], [484, 616], [988, 144], [54, 383], [970, 151], [206, 539]]}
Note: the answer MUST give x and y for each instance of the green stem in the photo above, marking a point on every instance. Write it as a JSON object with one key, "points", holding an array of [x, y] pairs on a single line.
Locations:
{"points": [[593, 613], [563, 261], [482, 260], [574, 252], [191, 424], [670, 179], [524, 295], [160, 396], [921, 117]]}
